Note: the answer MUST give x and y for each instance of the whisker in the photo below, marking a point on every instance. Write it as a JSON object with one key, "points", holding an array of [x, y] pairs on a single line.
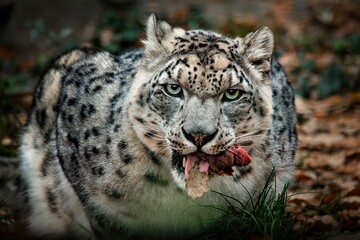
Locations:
{"points": [[249, 138], [154, 133], [246, 137], [164, 147], [245, 143], [256, 132]]}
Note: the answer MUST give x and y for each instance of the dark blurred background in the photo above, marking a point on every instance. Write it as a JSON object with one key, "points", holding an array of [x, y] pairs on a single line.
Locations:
{"points": [[317, 42]]}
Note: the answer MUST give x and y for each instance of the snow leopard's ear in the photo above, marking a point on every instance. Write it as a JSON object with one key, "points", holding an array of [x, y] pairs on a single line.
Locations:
{"points": [[158, 35], [258, 48]]}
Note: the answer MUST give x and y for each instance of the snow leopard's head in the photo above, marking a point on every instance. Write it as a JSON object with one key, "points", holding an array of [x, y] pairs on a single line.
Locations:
{"points": [[198, 92]]}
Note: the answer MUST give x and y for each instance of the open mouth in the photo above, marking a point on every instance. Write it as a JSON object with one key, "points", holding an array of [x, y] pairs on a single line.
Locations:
{"points": [[198, 166], [219, 164]]}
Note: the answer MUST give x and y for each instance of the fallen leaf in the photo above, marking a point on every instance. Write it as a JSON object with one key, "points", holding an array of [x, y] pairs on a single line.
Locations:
{"points": [[325, 175], [350, 205], [290, 61], [321, 224], [331, 141], [302, 106], [320, 160], [354, 192], [315, 126], [308, 198], [351, 168], [345, 184], [324, 59], [304, 175], [335, 104], [330, 197], [355, 213], [353, 156]]}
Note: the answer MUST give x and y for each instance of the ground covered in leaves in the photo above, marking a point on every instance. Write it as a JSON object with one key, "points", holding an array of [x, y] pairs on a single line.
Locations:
{"points": [[326, 197], [317, 42]]}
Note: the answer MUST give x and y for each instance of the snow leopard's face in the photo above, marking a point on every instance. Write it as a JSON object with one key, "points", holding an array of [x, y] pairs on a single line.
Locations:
{"points": [[199, 92]]}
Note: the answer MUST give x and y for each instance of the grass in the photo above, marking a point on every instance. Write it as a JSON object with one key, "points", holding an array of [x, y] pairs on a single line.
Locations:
{"points": [[260, 217], [264, 217]]}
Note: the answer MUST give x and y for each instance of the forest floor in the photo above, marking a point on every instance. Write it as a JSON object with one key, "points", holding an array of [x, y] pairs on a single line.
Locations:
{"points": [[327, 178]]}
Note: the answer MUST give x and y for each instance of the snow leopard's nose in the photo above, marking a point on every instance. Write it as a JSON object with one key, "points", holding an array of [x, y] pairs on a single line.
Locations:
{"points": [[200, 124], [199, 139]]}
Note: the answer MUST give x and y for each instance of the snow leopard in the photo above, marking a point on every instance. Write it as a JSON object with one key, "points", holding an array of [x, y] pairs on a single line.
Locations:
{"points": [[103, 149]]}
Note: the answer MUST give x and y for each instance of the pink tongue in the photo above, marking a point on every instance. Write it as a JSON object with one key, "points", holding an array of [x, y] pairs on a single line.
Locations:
{"points": [[191, 160], [204, 166]]}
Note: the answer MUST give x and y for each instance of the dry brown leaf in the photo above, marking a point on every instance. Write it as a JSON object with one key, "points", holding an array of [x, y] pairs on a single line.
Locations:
{"points": [[300, 221], [354, 213], [320, 140], [315, 162], [279, 14], [290, 61], [325, 140], [345, 184], [326, 175], [315, 126], [330, 197], [319, 160], [322, 224], [351, 168], [324, 59], [293, 208], [329, 108], [335, 104], [307, 198], [351, 200], [304, 175], [354, 192], [335, 160], [350, 205], [302, 106]]}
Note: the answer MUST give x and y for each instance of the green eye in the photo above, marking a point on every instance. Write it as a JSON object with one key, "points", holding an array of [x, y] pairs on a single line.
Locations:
{"points": [[232, 95], [173, 90]]}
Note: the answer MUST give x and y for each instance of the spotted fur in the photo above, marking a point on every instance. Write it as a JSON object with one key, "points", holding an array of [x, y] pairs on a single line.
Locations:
{"points": [[102, 150]]}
